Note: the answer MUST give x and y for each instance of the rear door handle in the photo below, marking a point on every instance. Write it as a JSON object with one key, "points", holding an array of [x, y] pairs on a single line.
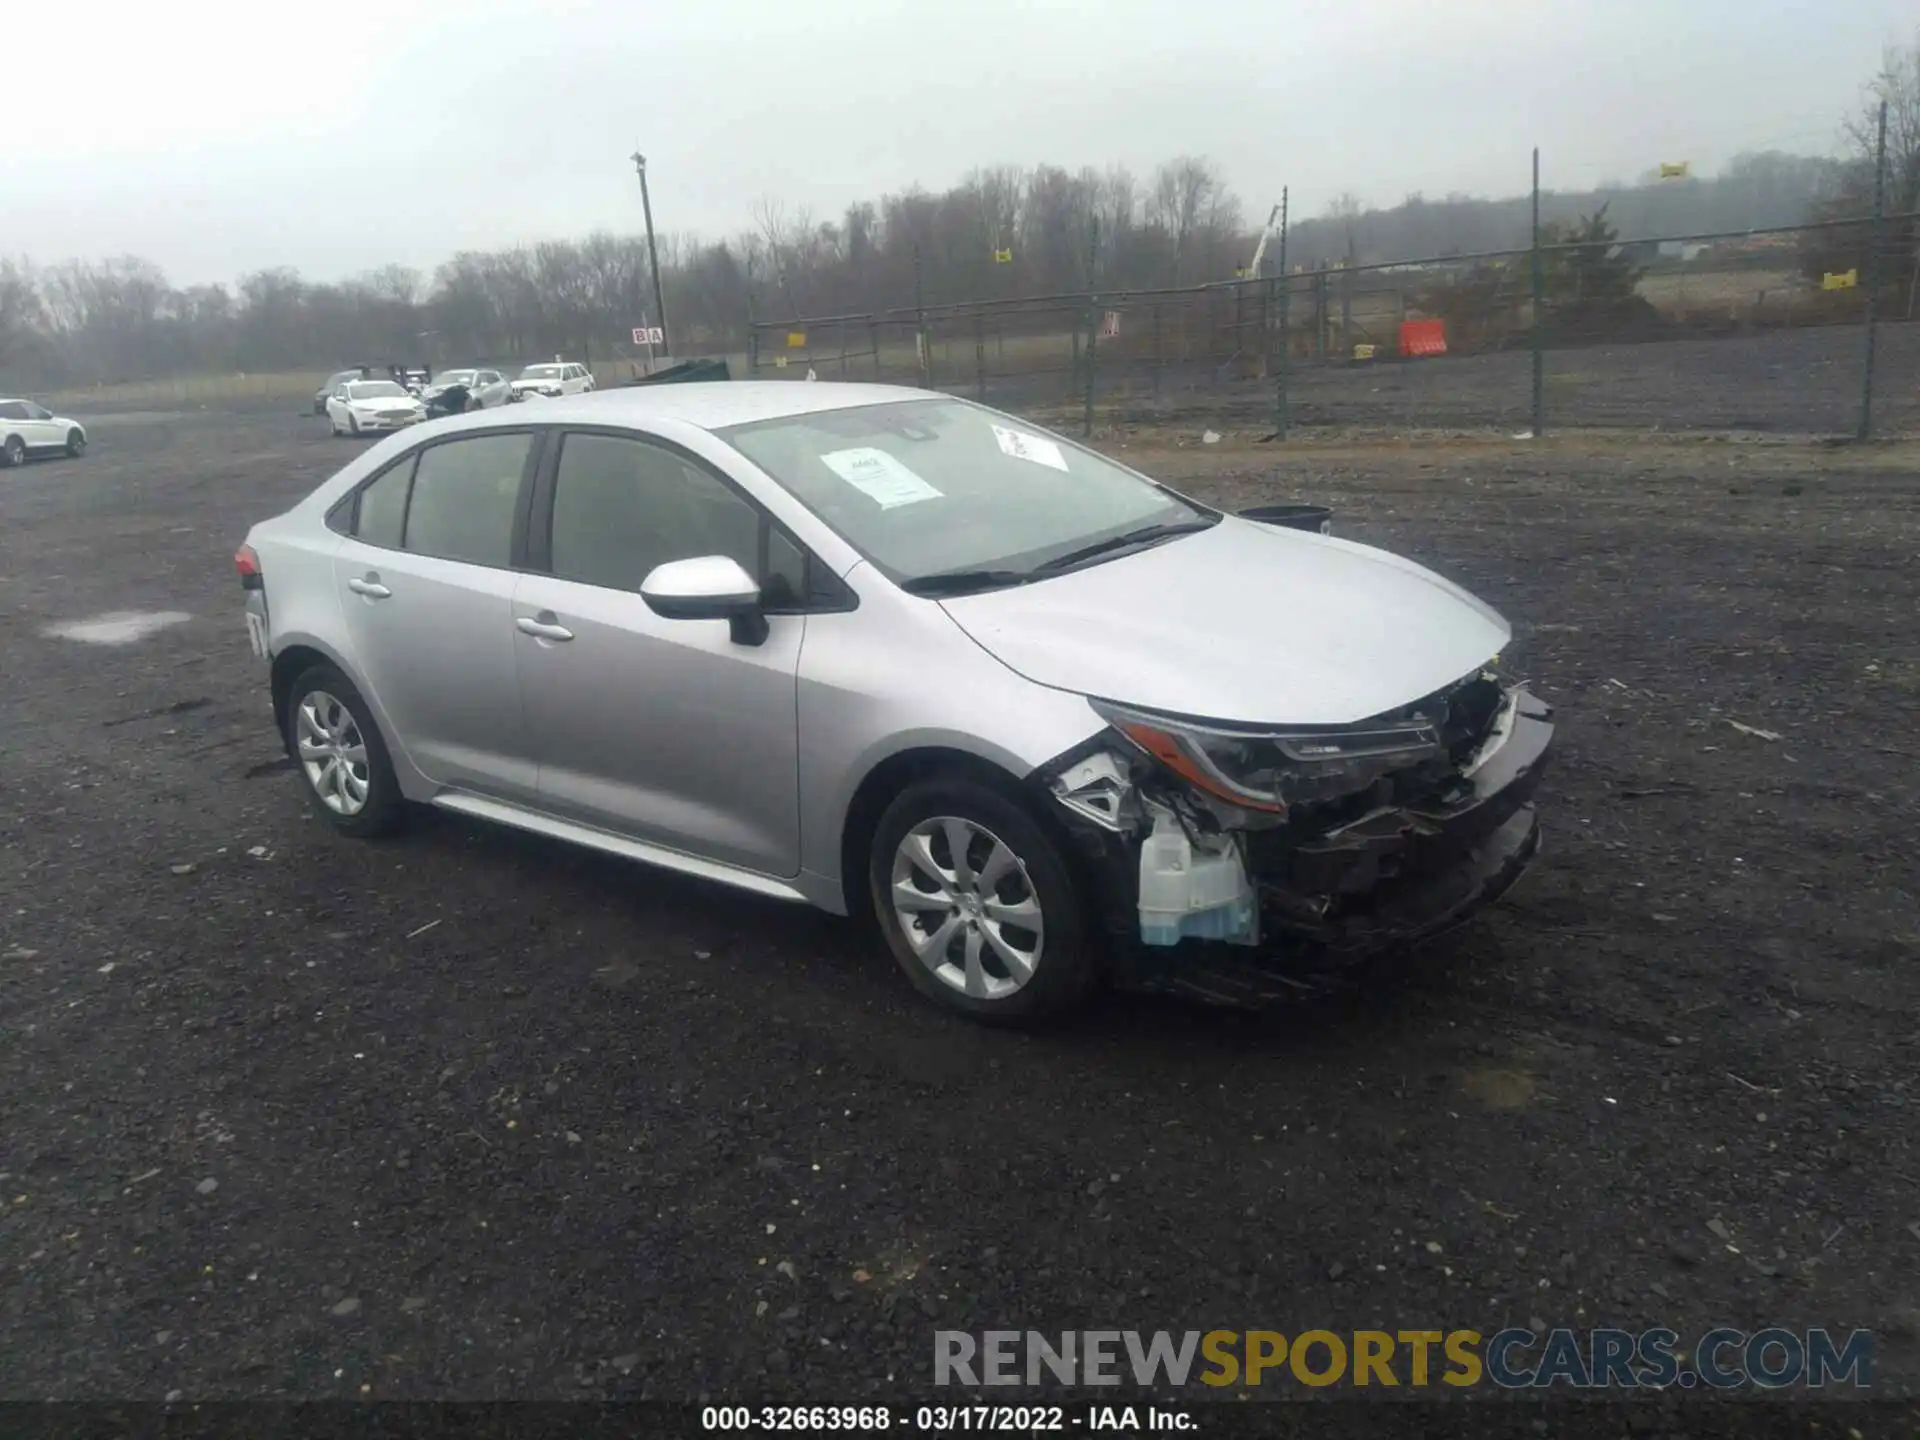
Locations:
{"points": [[370, 588], [542, 629]]}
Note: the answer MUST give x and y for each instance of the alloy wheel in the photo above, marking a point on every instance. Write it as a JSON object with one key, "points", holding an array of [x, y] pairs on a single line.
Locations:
{"points": [[333, 753], [967, 907]]}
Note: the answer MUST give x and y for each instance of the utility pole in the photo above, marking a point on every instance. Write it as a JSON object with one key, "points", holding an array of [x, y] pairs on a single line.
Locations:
{"points": [[1282, 406], [1539, 314], [1876, 246], [653, 254]]}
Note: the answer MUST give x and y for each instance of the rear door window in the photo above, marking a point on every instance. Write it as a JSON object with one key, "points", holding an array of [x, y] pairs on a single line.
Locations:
{"points": [[466, 495]]}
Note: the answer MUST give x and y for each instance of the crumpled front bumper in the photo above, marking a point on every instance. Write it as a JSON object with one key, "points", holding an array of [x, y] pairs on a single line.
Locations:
{"points": [[1379, 883]]}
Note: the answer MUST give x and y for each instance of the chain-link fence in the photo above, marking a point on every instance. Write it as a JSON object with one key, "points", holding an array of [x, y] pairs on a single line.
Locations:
{"points": [[1787, 331]]}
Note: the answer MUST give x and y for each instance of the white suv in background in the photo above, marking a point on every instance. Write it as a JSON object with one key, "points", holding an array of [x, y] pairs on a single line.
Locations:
{"points": [[555, 377], [30, 429]]}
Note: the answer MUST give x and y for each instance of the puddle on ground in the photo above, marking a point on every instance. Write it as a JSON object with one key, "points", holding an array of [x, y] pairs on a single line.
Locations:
{"points": [[1498, 1089], [116, 627]]}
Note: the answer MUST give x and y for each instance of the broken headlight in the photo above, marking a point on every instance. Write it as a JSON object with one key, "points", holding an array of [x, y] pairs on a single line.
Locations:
{"points": [[1271, 770]]}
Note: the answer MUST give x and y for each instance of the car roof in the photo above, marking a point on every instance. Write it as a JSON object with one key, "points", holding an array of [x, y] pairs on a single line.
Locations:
{"points": [[716, 404]]}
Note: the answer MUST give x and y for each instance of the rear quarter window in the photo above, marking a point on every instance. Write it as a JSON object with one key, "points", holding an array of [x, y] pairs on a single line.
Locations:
{"points": [[383, 508]]}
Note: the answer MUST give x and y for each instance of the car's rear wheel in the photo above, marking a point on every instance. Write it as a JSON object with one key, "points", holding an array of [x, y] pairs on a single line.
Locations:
{"points": [[342, 757], [14, 452], [76, 443], [979, 904]]}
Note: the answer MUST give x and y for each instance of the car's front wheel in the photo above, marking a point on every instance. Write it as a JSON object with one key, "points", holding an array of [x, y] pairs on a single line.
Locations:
{"points": [[332, 737], [979, 904], [76, 443]]}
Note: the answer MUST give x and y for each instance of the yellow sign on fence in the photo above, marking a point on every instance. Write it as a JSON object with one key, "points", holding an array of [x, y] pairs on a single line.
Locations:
{"points": [[779, 362], [1003, 257], [1363, 352], [795, 339], [1673, 171], [1845, 280]]}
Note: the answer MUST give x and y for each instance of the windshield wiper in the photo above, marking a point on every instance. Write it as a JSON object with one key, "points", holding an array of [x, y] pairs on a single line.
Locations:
{"points": [[1145, 535], [964, 582]]}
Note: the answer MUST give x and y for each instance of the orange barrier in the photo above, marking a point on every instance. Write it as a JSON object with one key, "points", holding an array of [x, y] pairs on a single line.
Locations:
{"points": [[1423, 337]]}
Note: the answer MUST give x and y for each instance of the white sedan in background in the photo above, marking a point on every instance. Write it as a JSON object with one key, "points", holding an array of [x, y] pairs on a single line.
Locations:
{"points": [[361, 407], [557, 377], [30, 429]]}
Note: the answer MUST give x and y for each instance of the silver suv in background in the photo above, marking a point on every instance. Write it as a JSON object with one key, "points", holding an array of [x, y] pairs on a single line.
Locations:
{"points": [[888, 651]]}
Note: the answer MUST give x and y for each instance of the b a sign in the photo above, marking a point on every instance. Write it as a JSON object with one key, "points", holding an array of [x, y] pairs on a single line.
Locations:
{"points": [[649, 335]]}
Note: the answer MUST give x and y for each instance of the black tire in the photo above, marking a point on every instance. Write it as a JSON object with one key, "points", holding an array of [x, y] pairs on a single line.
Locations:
{"points": [[384, 808], [1070, 966], [14, 452], [76, 444]]}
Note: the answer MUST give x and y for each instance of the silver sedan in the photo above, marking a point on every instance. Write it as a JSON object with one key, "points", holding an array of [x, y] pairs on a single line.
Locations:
{"points": [[890, 652]]}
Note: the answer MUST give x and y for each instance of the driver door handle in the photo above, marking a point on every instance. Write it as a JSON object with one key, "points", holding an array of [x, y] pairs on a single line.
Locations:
{"points": [[372, 589], [542, 629]]}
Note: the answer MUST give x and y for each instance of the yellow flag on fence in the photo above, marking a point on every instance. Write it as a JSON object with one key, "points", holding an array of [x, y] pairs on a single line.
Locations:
{"points": [[796, 338], [1845, 280], [1673, 171], [1003, 257]]}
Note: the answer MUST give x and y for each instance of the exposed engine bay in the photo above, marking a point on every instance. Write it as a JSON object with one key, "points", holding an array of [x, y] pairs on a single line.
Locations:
{"points": [[1304, 848]]}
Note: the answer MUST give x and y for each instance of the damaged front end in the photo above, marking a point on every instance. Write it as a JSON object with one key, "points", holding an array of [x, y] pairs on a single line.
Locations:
{"points": [[1241, 863]]}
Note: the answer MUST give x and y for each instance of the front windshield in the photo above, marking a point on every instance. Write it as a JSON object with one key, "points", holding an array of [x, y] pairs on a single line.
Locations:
{"points": [[540, 372], [935, 487], [374, 390], [456, 377]]}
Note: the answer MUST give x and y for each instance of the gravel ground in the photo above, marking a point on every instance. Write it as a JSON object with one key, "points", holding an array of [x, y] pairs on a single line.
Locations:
{"points": [[468, 1115]]}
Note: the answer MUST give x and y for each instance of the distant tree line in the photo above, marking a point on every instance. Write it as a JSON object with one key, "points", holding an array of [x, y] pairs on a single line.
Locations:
{"points": [[1002, 231]]}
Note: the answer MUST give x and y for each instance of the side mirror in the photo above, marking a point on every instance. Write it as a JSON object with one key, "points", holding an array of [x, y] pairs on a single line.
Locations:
{"points": [[708, 587]]}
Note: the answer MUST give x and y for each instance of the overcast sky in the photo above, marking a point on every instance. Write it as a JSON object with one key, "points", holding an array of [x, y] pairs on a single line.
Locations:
{"points": [[220, 136]]}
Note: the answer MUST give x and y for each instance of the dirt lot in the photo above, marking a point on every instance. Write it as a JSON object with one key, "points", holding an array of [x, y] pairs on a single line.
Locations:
{"points": [[470, 1115]]}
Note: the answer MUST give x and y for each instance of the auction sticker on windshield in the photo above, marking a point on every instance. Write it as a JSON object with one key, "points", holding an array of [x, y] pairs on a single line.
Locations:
{"points": [[876, 473], [1022, 446]]}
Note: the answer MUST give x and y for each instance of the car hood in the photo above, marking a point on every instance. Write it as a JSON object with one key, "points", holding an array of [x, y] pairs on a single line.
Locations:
{"points": [[386, 402], [1242, 622]]}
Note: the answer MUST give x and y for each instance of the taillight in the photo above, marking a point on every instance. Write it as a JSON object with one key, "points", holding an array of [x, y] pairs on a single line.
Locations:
{"points": [[248, 564]]}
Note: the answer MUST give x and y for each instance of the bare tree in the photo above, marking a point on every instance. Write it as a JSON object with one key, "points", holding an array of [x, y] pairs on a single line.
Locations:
{"points": [[1180, 199], [1344, 212], [21, 313]]}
